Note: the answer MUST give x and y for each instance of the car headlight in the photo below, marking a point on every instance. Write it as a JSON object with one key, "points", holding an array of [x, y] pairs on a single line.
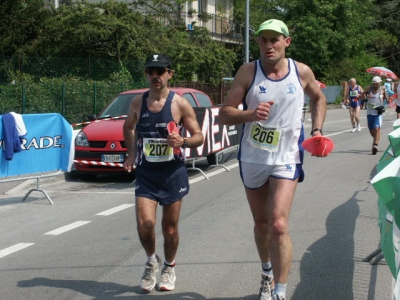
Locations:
{"points": [[81, 140]]}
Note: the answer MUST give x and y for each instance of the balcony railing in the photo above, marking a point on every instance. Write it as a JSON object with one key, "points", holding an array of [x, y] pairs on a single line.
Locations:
{"points": [[221, 28]]}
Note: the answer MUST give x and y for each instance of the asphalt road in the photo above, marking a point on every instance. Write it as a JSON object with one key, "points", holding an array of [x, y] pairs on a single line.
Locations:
{"points": [[85, 246]]}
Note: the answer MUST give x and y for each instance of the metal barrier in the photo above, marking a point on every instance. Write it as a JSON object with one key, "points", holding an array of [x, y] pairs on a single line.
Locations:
{"points": [[46, 150], [37, 189]]}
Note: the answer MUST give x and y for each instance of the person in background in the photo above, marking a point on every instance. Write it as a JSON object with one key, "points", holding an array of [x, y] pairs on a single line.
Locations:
{"points": [[353, 95], [375, 95], [271, 90], [161, 175], [388, 87]]}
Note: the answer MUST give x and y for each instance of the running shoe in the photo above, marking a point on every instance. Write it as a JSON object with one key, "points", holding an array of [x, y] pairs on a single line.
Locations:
{"points": [[148, 281], [168, 278], [278, 297], [353, 130], [374, 150], [267, 287], [358, 127]]}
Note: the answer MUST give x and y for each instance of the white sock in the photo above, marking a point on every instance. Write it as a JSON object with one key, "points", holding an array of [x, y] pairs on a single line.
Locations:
{"points": [[267, 268], [152, 258], [280, 289], [169, 264]]}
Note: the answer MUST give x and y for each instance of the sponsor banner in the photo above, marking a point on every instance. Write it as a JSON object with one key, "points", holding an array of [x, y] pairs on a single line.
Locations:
{"points": [[217, 137], [47, 146]]}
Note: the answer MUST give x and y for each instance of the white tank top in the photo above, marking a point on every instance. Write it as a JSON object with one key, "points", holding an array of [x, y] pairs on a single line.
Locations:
{"points": [[374, 101], [276, 141]]}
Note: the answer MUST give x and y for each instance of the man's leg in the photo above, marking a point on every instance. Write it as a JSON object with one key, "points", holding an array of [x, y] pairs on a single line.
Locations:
{"points": [[146, 218], [282, 194], [169, 223], [376, 133], [351, 111], [270, 206], [258, 202], [357, 117]]}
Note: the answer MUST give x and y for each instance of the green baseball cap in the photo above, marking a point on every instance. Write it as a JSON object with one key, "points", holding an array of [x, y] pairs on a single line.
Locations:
{"points": [[274, 25]]}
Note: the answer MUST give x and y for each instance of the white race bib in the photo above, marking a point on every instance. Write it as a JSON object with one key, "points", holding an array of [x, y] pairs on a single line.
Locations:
{"points": [[354, 93], [265, 138], [157, 150]]}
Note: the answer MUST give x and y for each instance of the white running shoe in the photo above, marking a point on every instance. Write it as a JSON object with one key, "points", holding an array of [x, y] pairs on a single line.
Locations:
{"points": [[267, 287], [148, 281], [168, 278], [353, 130], [359, 128]]}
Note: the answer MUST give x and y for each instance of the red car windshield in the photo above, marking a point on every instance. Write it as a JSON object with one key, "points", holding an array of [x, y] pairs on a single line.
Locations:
{"points": [[119, 107]]}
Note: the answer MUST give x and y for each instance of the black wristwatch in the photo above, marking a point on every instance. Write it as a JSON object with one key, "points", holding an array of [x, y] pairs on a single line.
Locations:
{"points": [[185, 143], [316, 129]]}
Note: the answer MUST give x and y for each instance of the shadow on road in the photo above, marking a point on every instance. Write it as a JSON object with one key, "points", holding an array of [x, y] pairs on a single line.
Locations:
{"points": [[110, 290], [326, 269]]}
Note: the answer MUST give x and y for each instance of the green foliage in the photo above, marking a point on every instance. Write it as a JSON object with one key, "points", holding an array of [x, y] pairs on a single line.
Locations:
{"points": [[354, 67], [335, 38], [21, 24], [325, 32], [74, 99], [112, 29]]}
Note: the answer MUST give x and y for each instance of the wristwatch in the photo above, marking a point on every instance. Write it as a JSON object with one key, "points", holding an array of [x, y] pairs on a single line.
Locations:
{"points": [[316, 129], [185, 143]]}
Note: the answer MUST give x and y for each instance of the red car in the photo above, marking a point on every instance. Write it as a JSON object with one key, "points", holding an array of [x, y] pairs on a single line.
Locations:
{"points": [[100, 146]]}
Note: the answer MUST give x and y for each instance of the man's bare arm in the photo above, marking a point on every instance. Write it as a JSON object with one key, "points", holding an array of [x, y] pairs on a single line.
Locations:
{"points": [[129, 132], [317, 98]]}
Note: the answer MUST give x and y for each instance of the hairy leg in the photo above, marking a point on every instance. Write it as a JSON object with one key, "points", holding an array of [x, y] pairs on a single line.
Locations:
{"points": [[169, 223], [258, 201], [270, 206], [282, 194], [146, 219]]}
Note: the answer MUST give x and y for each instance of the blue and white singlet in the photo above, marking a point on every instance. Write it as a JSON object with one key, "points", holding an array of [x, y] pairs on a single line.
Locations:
{"points": [[277, 140]]}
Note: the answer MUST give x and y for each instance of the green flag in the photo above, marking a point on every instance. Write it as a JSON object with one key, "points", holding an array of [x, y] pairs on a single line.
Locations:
{"points": [[387, 185], [396, 124], [394, 139]]}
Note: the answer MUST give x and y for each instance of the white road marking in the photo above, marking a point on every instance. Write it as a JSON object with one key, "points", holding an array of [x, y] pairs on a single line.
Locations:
{"points": [[340, 132], [114, 210], [90, 192], [14, 248], [67, 227]]}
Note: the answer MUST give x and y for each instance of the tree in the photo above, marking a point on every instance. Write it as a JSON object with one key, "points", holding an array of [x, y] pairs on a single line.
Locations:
{"points": [[122, 31], [324, 33], [21, 24], [385, 41]]}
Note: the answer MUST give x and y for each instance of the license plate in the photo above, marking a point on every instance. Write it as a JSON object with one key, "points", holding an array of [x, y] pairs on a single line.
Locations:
{"points": [[112, 158]]}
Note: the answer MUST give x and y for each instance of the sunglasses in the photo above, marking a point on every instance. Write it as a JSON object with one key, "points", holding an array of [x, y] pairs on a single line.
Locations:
{"points": [[159, 71]]}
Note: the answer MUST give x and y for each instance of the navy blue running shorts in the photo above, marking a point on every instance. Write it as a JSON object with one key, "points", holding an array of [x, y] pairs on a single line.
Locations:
{"points": [[165, 185]]}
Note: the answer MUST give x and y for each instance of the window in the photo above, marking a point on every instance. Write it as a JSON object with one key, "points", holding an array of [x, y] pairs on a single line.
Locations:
{"points": [[119, 107], [202, 5], [204, 100], [190, 98]]}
